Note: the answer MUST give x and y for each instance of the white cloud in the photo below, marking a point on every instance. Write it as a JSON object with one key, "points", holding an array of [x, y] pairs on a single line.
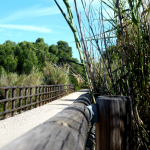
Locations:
{"points": [[25, 27], [60, 27], [31, 12]]}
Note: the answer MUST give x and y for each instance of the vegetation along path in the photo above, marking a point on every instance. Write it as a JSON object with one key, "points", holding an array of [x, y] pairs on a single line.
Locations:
{"points": [[16, 126]]}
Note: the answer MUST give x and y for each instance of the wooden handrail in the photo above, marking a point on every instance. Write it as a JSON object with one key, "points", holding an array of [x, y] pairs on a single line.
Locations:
{"points": [[65, 131], [43, 95], [68, 129]]}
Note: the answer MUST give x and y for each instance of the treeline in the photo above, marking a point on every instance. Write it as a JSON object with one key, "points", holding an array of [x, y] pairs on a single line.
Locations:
{"points": [[25, 56], [22, 57]]}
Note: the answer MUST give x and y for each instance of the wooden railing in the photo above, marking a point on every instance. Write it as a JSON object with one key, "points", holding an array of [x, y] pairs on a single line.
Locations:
{"points": [[21, 98], [68, 129]]}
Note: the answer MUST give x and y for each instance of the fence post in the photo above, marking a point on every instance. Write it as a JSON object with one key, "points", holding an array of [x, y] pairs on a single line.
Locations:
{"points": [[13, 101], [113, 131], [47, 95], [63, 90], [46, 89], [31, 97], [55, 92], [6, 103], [20, 100], [51, 93], [43, 96], [59, 91], [26, 99], [39, 96], [49, 89], [36, 91]]}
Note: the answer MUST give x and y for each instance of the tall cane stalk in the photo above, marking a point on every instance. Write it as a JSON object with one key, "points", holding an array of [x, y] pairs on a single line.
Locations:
{"points": [[71, 25]]}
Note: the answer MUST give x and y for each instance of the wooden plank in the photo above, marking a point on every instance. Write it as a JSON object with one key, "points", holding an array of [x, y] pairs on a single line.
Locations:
{"points": [[6, 103], [13, 102], [20, 100], [113, 131]]}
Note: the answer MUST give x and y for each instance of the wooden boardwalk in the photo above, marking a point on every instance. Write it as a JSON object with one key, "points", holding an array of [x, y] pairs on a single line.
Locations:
{"points": [[18, 125]]}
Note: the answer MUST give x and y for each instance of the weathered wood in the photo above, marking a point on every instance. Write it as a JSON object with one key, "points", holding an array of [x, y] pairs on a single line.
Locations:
{"points": [[113, 131], [50, 95], [46, 96], [31, 98], [20, 100], [43, 96], [26, 99], [13, 102], [65, 131], [85, 98], [36, 98], [40, 96], [6, 103]]}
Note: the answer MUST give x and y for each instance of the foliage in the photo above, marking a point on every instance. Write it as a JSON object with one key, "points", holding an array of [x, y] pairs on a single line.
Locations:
{"points": [[22, 64], [53, 75], [122, 67], [22, 57]]}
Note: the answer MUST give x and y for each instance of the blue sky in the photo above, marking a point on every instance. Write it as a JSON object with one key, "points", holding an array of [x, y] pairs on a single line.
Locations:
{"points": [[27, 20]]}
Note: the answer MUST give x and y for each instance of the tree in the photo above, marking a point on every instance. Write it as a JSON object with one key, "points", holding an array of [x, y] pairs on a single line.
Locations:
{"points": [[26, 57], [64, 50], [39, 40], [53, 49], [7, 59]]}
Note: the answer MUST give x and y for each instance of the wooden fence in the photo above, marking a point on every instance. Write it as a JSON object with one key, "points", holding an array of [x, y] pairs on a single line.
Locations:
{"points": [[21, 98], [65, 131], [68, 129]]}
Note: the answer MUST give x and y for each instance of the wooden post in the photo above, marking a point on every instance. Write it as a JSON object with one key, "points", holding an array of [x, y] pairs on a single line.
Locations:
{"points": [[43, 95], [65, 131], [6, 103], [52, 93], [20, 100], [13, 101], [36, 99], [59, 91], [26, 99], [39, 96], [55, 92], [113, 131], [31, 98], [49, 95], [63, 90]]}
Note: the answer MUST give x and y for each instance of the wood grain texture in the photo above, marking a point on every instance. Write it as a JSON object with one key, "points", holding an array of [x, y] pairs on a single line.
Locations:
{"points": [[113, 132], [65, 131]]}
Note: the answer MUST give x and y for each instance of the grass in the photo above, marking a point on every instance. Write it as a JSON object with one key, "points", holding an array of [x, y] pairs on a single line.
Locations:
{"points": [[48, 76]]}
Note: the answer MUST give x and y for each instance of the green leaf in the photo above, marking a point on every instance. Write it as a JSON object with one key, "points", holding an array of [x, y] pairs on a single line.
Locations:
{"points": [[130, 3], [139, 3], [110, 6], [125, 10], [134, 19]]}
